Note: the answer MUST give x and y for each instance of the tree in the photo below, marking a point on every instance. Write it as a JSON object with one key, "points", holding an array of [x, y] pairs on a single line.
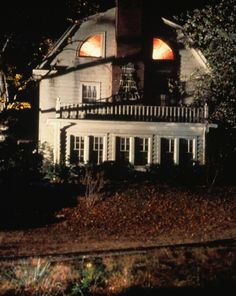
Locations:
{"points": [[213, 31]]}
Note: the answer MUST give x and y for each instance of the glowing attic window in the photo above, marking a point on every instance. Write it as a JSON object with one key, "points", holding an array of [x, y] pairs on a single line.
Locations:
{"points": [[161, 51], [92, 47]]}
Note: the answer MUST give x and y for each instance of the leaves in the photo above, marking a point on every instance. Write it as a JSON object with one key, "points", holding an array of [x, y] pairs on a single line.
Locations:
{"points": [[143, 212], [213, 31]]}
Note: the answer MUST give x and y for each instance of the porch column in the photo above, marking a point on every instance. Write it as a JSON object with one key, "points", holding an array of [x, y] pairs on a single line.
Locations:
{"points": [[176, 151], [68, 148], [104, 156], [113, 148], [158, 150], [56, 143], [195, 149], [149, 150], [131, 150], [86, 149]]}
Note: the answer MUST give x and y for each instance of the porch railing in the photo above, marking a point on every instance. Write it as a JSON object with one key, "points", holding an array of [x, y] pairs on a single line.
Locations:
{"points": [[132, 112]]}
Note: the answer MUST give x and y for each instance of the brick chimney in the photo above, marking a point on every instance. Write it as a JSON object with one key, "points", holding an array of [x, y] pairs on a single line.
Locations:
{"points": [[128, 26]]}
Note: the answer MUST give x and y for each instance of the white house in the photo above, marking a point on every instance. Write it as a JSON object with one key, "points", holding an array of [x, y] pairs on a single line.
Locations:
{"points": [[104, 91]]}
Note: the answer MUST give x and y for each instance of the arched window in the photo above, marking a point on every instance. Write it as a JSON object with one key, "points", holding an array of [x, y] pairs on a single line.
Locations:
{"points": [[161, 51], [92, 47]]}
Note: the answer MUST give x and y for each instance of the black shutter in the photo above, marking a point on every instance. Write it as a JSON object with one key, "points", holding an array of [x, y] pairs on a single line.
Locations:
{"points": [[117, 149], [73, 153]]}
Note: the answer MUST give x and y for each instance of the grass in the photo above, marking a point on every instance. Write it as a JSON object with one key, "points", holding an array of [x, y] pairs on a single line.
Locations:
{"points": [[166, 268], [129, 214]]}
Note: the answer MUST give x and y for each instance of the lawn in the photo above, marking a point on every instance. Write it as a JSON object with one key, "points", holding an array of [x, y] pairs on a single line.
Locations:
{"points": [[125, 215], [131, 216]]}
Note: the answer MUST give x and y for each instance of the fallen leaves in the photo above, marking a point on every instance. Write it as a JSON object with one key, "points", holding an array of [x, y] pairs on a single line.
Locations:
{"points": [[147, 212], [140, 214]]}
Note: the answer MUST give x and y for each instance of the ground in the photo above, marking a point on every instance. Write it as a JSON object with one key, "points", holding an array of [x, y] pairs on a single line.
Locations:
{"points": [[135, 214]]}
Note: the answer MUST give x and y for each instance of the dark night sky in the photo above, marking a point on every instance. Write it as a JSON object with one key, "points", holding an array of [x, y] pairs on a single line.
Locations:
{"points": [[30, 22], [49, 17]]}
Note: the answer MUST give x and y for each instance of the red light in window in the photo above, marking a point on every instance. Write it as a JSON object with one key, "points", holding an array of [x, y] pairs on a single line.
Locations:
{"points": [[92, 47], [161, 51]]}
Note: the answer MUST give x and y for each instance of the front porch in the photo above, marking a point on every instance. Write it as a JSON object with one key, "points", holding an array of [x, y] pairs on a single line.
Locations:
{"points": [[140, 143]]}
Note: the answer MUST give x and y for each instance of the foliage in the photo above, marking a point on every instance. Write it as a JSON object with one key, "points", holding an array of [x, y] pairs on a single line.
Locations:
{"points": [[30, 276], [190, 175], [20, 162], [213, 31], [135, 273], [92, 275], [56, 173]]}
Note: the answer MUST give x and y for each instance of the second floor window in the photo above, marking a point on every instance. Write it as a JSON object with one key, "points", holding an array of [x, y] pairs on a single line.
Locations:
{"points": [[161, 50], [92, 47], [90, 92]]}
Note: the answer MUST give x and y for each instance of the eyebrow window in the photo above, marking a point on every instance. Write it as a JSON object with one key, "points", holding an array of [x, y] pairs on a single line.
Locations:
{"points": [[92, 47], [161, 51]]}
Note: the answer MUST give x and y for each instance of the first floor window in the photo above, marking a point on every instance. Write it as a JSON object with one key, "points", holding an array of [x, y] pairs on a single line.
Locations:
{"points": [[96, 155], [77, 149], [141, 151], [186, 148], [167, 151], [123, 148]]}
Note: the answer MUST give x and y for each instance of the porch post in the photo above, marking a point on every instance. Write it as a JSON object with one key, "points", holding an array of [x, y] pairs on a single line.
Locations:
{"points": [[56, 143], [86, 149], [131, 150], [176, 151], [158, 150], [149, 150], [104, 156], [113, 147], [195, 149]]}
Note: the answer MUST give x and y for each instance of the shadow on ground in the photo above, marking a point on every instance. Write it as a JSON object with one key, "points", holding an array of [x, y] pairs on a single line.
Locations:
{"points": [[217, 290], [34, 205]]}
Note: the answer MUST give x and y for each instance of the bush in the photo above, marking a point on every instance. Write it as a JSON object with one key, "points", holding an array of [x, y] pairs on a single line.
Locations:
{"points": [[177, 175]]}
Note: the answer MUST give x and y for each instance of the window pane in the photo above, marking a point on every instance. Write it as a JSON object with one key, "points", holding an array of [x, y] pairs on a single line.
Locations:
{"points": [[141, 151], [89, 93], [167, 151], [92, 47], [161, 51], [96, 155], [79, 149], [186, 151], [123, 150]]}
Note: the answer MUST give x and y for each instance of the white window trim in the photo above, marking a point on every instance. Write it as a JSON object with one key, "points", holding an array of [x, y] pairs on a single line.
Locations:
{"points": [[126, 144], [131, 146], [90, 83], [100, 144], [194, 148], [79, 150]]}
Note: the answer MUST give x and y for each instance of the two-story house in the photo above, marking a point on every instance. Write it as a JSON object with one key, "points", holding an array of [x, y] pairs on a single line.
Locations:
{"points": [[107, 91]]}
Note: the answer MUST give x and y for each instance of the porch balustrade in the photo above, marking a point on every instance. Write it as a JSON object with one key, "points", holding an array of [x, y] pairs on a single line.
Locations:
{"points": [[132, 112]]}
